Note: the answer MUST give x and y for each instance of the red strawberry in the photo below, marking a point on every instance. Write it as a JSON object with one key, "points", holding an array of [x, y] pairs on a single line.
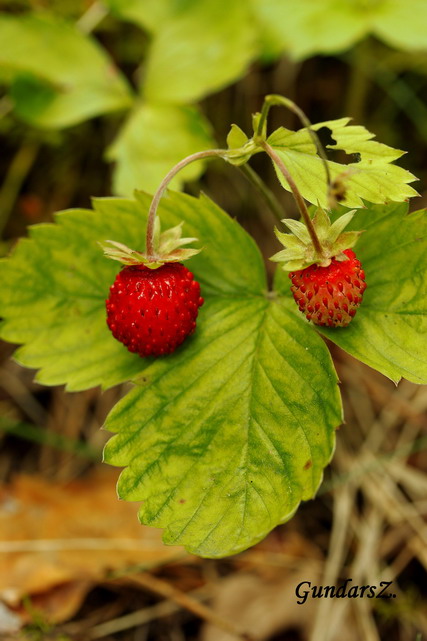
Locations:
{"points": [[330, 295], [152, 311]]}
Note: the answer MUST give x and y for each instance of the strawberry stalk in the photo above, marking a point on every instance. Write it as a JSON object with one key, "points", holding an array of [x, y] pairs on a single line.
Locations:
{"points": [[297, 196], [276, 100], [200, 155]]}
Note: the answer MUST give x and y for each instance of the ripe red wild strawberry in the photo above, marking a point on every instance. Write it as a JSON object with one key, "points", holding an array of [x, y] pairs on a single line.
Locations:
{"points": [[152, 311], [330, 295], [327, 279]]}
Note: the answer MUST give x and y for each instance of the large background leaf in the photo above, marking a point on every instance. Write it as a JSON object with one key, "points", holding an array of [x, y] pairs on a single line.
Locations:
{"points": [[61, 76], [308, 27], [389, 331], [152, 141], [200, 50], [148, 14]]}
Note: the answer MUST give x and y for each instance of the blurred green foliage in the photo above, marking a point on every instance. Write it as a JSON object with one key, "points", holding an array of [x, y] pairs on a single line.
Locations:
{"points": [[62, 63]]}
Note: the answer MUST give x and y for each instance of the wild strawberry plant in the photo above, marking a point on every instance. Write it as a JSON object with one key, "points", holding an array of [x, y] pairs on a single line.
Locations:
{"points": [[223, 437]]}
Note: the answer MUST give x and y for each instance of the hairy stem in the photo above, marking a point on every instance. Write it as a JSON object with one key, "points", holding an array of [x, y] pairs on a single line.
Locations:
{"points": [[200, 155], [274, 99], [296, 194]]}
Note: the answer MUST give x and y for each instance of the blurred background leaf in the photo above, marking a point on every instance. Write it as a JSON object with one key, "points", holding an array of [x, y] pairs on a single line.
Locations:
{"points": [[199, 51], [60, 76], [152, 141]]}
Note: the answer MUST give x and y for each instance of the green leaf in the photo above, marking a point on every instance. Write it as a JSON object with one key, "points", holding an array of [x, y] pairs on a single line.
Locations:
{"points": [[389, 331], [403, 24], [60, 76], [372, 178], [55, 284], [148, 14], [236, 137], [226, 436], [223, 441], [311, 27], [154, 139], [201, 50]]}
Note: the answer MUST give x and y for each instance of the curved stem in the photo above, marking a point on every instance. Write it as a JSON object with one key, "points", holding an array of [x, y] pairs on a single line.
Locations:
{"points": [[274, 99], [296, 194], [270, 198], [200, 155]]}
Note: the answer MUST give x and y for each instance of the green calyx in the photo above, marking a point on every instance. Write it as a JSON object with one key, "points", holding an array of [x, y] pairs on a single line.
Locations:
{"points": [[168, 248], [300, 252]]}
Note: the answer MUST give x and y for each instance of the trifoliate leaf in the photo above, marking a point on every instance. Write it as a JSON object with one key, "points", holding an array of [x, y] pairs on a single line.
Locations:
{"points": [[223, 438], [372, 178], [59, 75], [153, 140], [203, 48], [389, 331]]}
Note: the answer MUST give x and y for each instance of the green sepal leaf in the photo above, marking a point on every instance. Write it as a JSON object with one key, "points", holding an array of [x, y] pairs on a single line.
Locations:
{"points": [[122, 253], [340, 224], [300, 251], [298, 229], [240, 147], [59, 75], [289, 240], [286, 255], [347, 240], [389, 331], [236, 137], [372, 177], [322, 224], [248, 410], [167, 248], [171, 239]]}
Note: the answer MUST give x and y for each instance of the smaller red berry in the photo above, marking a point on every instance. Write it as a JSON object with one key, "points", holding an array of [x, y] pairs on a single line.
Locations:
{"points": [[327, 279], [152, 311], [333, 293]]}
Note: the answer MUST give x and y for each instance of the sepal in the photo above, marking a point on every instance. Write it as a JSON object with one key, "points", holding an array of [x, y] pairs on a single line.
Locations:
{"points": [[168, 248], [300, 252], [240, 147]]}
